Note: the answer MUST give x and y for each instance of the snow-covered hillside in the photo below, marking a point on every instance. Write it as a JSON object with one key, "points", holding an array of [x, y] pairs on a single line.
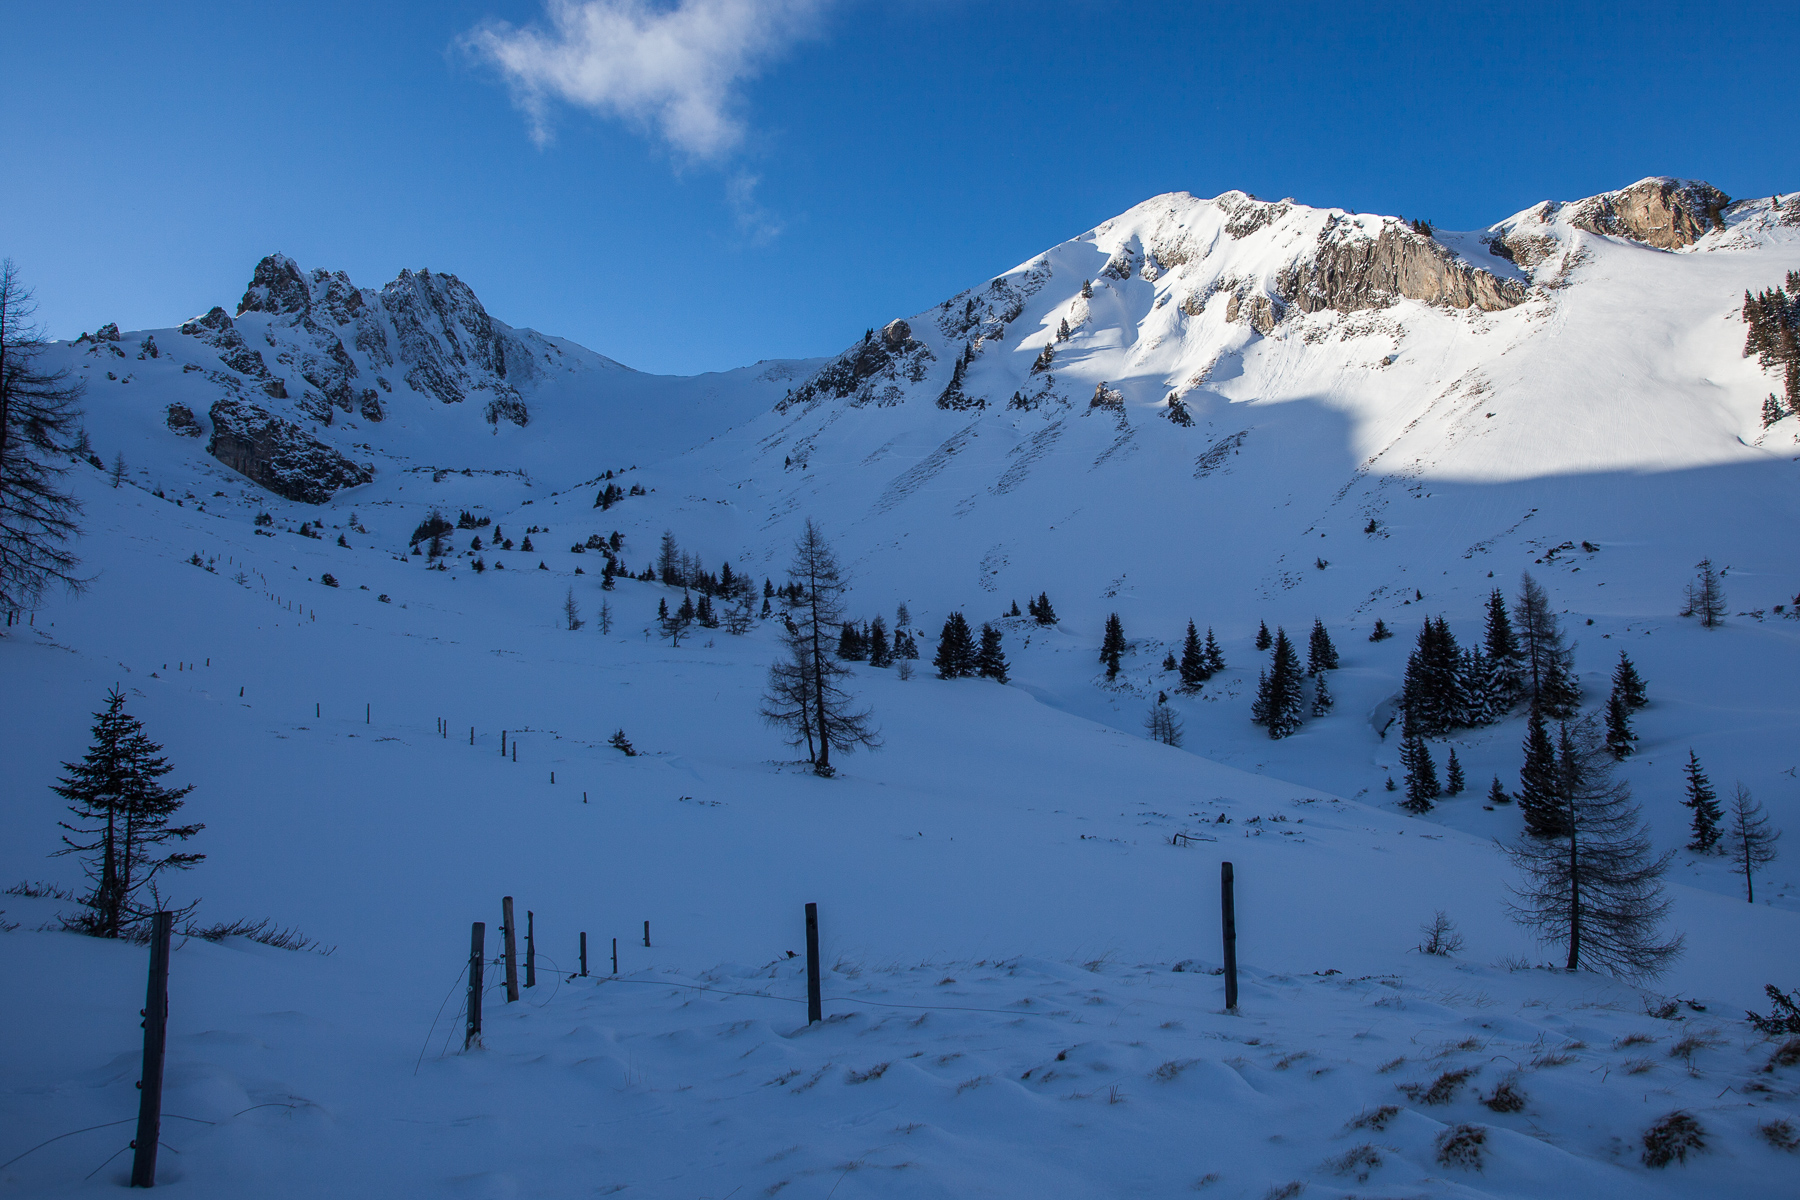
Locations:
{"points": [[1259, 412]]}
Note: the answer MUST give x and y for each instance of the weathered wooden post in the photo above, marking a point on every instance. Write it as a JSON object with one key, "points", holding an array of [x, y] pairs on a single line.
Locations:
{"points": [[1228, 919], [156, 1039], [503, 743], [584, 952], [615, 956], [530, 950], [477, 955], [646, 934], [815, 1010], [512, 950]]}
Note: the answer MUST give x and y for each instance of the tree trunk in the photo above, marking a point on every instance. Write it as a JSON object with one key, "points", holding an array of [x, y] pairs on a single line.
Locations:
{"points": [[1574, 894]]}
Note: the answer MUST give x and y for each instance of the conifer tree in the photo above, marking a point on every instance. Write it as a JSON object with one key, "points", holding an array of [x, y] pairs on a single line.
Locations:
{"points": [[881, 654], [668, 560], [1706, 596], [1015, 609], [1504, 654], [956, 649], [990, 659], [1627, 684], [1044, 613], [1750, 840], [1163, 723], [1431, 695], [1277, 703], [1381, 632], [704, 613], [1619, 736], [1497, 793], [850, 643], [1538, 800], [1193, 667], [1321, 655], [1594, 884], [902, 618], [1215, 658], [1168, 663], [1421, 775], [1112, 646], [818, 587], [122, 814], [572, 611], [1322, 697], [1453, 776], [1546, 671], [39, 418], [1703, 801], [768, 609], [1263, 640]]}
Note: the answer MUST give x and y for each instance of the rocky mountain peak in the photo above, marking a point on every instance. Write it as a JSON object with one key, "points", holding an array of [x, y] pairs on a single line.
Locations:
{"points": [[1667, 213]]}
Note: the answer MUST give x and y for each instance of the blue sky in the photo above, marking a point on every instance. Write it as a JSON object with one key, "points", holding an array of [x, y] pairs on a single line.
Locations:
{"points": [[701, 184]]}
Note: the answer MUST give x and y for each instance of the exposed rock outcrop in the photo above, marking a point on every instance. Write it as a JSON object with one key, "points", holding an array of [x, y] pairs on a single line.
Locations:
{"points": [[181, 419], [279, 455], [1262, 313], [871, 372], [1666, 213], [1358, 272]]}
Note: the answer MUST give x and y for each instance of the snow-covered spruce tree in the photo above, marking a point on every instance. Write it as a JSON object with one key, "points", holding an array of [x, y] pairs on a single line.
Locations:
{"points": [[1421, 775], [1627, 684], [1619, 736], [1453, 776], [1277, 703], [1506, 659], [122, 813], [1706, 596], [831, 711], [1773, 410], [1548, 675], [572, 611], [1749, 839], [1112, 646], [1321, 655], [1431, 695], [1595, 887], [1169, 663], [1163, 723], [1703, 802], [1263, 640], [1539, 802], [39, 421], [1215, 658], [990, 659], [955, 658], [1322, 697], [1042, 612], [1194, 668]]}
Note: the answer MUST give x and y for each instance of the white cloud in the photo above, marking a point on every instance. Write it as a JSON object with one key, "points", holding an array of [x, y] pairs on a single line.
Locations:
{"points": [[676, 70]]}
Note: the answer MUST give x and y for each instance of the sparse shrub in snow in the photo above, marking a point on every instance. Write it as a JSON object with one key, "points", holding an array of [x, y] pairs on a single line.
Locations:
{"points": [[1381, 632], [1441, 936], [1780, 1133], [1375, 1118], [328, 579], [1359, 1161], [1441, 1090], [1462, 1146], [1505, 1098], [618, 741], [1672, 1139]]}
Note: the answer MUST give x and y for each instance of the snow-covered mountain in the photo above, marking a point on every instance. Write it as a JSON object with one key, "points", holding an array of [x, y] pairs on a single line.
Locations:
{"points": [[1230, 410]]}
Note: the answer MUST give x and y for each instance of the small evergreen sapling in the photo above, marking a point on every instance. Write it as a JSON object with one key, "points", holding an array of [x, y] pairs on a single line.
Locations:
{"points": [[1215, 658], [1750, 840], [1453, 776], [955, 657], [1539, 802], [1619, 736], [1497, 793], [1322, 697], [618, 741], [1041, 610], [1263, 640], [1627, 683], [1421, 775], [1194, 667], [1321, 655], [1277, 703], [1703, 801], [1381, 632]]}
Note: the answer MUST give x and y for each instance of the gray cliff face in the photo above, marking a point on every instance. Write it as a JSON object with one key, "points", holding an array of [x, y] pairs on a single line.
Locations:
{"points": [[870, 372], [1349, 274], [1669, 214], [278, 454]]}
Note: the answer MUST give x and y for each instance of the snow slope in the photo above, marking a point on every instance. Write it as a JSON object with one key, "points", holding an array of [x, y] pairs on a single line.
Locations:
{"points": [[1623, 414]]}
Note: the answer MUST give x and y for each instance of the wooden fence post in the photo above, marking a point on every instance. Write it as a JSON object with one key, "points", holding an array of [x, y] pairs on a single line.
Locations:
{"points": [[477, 957], [1228, 919], [615, 956], [156, 1034], [503, 743], [646, 934], [512, 950], [814, 1006], [530, 950], [584, 952]]}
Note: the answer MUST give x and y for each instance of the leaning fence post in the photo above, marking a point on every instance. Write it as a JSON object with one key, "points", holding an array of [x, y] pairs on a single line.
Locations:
{"points": [[477, 953], [156, 1030], [530, 950], [512, 950], [815, 1010], [1228, 921]]}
